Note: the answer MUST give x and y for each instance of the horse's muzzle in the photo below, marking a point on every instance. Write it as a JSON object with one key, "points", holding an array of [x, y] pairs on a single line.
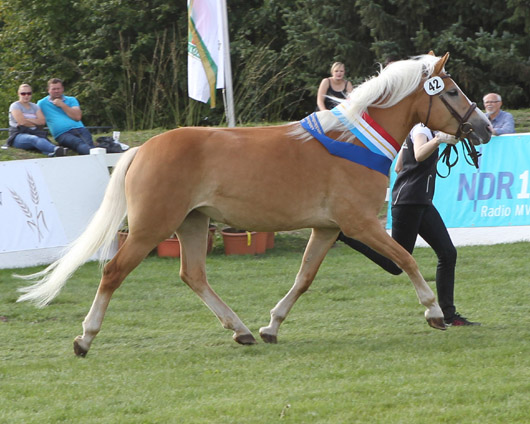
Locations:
{"points": [[480, 133]]}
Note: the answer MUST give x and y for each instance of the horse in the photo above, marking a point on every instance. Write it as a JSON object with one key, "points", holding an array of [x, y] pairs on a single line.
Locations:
{"points": [[179, 180]]}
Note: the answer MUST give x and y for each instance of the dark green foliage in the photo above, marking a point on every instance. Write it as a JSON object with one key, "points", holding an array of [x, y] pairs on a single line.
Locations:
{"points": [[126, 61]]}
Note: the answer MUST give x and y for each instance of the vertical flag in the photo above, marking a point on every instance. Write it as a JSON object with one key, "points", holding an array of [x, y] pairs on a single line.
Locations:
{"points": [[205, 49]]}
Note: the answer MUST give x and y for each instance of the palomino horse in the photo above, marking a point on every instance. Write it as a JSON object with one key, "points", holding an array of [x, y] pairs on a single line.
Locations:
{"points": [[184, 177]]}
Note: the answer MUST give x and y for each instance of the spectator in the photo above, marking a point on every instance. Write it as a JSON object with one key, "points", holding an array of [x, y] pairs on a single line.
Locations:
{"points": [[334, 86], [501, 121], [63, 116], [413, 214], [26, 123]]}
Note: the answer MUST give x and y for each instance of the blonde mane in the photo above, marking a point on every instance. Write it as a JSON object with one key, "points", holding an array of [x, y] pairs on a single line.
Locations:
{"points": [[392, 84]]}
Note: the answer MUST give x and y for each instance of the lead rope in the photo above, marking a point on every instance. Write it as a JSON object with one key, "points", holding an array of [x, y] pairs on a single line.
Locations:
{"points": [[463, 130], [467, 147]]}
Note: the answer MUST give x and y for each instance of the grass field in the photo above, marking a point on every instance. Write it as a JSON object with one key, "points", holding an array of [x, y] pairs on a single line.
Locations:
{"points": [[355, 348]]}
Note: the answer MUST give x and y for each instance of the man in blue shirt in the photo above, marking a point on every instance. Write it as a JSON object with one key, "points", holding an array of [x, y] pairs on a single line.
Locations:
{"points": [[63, 117], [501, 121]]}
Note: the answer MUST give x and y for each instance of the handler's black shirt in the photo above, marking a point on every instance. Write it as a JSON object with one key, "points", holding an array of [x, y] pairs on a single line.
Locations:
{"points": [[414, 185]]}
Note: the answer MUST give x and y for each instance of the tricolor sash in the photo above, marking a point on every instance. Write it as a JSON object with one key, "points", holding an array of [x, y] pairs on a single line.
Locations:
{"points": [[349, 151], [369, 132]]}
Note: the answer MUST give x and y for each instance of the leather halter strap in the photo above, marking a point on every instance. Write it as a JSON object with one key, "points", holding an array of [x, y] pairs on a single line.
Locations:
{"points": [[465, 127]]}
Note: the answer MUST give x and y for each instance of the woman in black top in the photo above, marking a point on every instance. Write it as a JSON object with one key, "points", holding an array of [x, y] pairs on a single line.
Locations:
{"points": [[413, 214], [334, 86]]}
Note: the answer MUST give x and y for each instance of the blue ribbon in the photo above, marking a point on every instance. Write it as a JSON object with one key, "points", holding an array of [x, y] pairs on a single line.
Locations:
{"points": [[345, 150]]}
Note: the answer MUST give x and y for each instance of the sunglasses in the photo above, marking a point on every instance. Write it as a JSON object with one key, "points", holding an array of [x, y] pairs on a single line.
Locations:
{"points": [[25, 94], [492, 101]]}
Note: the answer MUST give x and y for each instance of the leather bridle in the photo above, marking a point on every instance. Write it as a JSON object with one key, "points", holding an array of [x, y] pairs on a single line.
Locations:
{"points": [[464, 129]]}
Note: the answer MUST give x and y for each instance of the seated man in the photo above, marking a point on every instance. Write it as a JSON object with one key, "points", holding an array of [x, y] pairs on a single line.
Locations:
{"points": [[501, 121], [63, 116]]}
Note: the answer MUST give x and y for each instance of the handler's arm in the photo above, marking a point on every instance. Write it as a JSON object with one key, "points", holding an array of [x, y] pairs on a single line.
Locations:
{"points": [[423, 148], [399, 162]]}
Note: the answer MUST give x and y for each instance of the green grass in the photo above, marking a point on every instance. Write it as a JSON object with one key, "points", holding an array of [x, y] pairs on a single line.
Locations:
{"points": [[355, 348], [522, 120]]}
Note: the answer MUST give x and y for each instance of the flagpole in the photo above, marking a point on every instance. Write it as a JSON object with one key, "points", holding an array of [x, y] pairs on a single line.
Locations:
{"points": [[229, 98]]}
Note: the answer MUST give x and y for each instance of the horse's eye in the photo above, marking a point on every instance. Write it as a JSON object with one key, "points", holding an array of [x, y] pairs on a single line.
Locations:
{"points": [[453, 92]]}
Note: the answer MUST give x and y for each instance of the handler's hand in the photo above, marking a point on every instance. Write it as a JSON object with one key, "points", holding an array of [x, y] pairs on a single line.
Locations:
{"points": [[446, 138]]}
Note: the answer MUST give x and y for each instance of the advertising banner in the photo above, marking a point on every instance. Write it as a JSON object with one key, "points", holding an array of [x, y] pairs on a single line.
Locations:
{"points": [[495, 195], [28, 216]]}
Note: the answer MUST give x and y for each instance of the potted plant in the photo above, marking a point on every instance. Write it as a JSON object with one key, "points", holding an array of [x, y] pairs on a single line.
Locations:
{"points": [[169, 248], [242, 242]]}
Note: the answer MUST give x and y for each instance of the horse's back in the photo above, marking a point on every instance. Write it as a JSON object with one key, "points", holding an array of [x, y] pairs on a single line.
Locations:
{"points": [[263, 176]]}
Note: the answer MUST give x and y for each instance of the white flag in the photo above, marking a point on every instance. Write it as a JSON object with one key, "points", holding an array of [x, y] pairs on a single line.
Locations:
{"points": [[205, 49]]}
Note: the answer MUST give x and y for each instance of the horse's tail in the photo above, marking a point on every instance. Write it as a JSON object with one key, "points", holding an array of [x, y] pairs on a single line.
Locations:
{"points": [[100, 233]]}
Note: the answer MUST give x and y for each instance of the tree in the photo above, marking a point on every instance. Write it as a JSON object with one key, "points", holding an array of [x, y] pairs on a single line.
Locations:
{"points": [[126, 61]]}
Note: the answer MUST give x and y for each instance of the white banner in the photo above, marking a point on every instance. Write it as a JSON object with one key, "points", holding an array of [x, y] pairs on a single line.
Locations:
{"points": [[205, 49], [28, 216]]}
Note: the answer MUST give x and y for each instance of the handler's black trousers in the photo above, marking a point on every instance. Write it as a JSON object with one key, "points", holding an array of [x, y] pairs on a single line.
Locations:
{"points": [[409, 221]]}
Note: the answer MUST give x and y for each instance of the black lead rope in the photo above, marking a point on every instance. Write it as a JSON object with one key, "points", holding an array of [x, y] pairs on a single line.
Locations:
{"points": [[468, 148], [464, 129]]}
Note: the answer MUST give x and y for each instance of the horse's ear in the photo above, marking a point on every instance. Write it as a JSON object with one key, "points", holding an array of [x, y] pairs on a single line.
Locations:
{"points": [[431, 53], [441, 63]]}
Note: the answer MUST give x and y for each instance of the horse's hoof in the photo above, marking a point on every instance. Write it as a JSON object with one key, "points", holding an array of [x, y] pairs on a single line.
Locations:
{"points": [[269, 338], [78, 350], [245, 339], [437, 323]]}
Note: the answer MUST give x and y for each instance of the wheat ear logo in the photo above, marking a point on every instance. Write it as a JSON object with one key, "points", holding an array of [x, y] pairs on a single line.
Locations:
{"points": [[35, 217]]}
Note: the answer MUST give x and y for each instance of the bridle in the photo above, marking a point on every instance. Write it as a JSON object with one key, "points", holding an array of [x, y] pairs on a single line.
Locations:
{"points": [[464, 129]]}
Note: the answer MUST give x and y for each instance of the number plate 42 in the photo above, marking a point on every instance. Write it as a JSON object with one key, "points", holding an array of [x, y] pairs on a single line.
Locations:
{"points": [[433, 86]]}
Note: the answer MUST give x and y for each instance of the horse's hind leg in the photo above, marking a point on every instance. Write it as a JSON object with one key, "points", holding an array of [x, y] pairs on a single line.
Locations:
{"points": [[128, 258], [193, 239], [320, 242]]}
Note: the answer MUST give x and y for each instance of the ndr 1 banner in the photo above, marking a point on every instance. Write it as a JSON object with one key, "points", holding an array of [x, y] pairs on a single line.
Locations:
{"points": [[495, 195]]}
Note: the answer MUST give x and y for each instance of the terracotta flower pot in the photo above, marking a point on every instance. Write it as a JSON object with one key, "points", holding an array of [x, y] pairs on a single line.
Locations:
{"points": [[270, 240], [169, 248], [238, 242], [261, 242]]}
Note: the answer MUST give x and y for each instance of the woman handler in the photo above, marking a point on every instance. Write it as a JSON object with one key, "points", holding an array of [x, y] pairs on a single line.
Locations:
{"points": [[413, 214]]}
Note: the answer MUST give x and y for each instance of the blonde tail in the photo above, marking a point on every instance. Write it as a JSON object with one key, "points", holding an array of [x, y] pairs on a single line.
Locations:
{"points": [[100, 233]]}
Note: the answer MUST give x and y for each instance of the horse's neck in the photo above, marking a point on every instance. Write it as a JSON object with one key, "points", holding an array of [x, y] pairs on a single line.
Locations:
{"points": [[397, 120]]}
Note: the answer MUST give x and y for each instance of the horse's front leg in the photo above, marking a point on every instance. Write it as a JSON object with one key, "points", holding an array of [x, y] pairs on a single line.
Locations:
{"points": [[319, 243], [376, 237]]}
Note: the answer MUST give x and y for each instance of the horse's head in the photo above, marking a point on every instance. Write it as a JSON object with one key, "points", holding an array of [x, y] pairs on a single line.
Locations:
{"points": [[449, 110]]}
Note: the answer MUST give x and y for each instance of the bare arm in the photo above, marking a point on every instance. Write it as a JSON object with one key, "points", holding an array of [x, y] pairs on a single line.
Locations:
{"points": [[41, 120], [399, 162], [424, 148], [73, 112], [22, 120], [321, 95]]}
